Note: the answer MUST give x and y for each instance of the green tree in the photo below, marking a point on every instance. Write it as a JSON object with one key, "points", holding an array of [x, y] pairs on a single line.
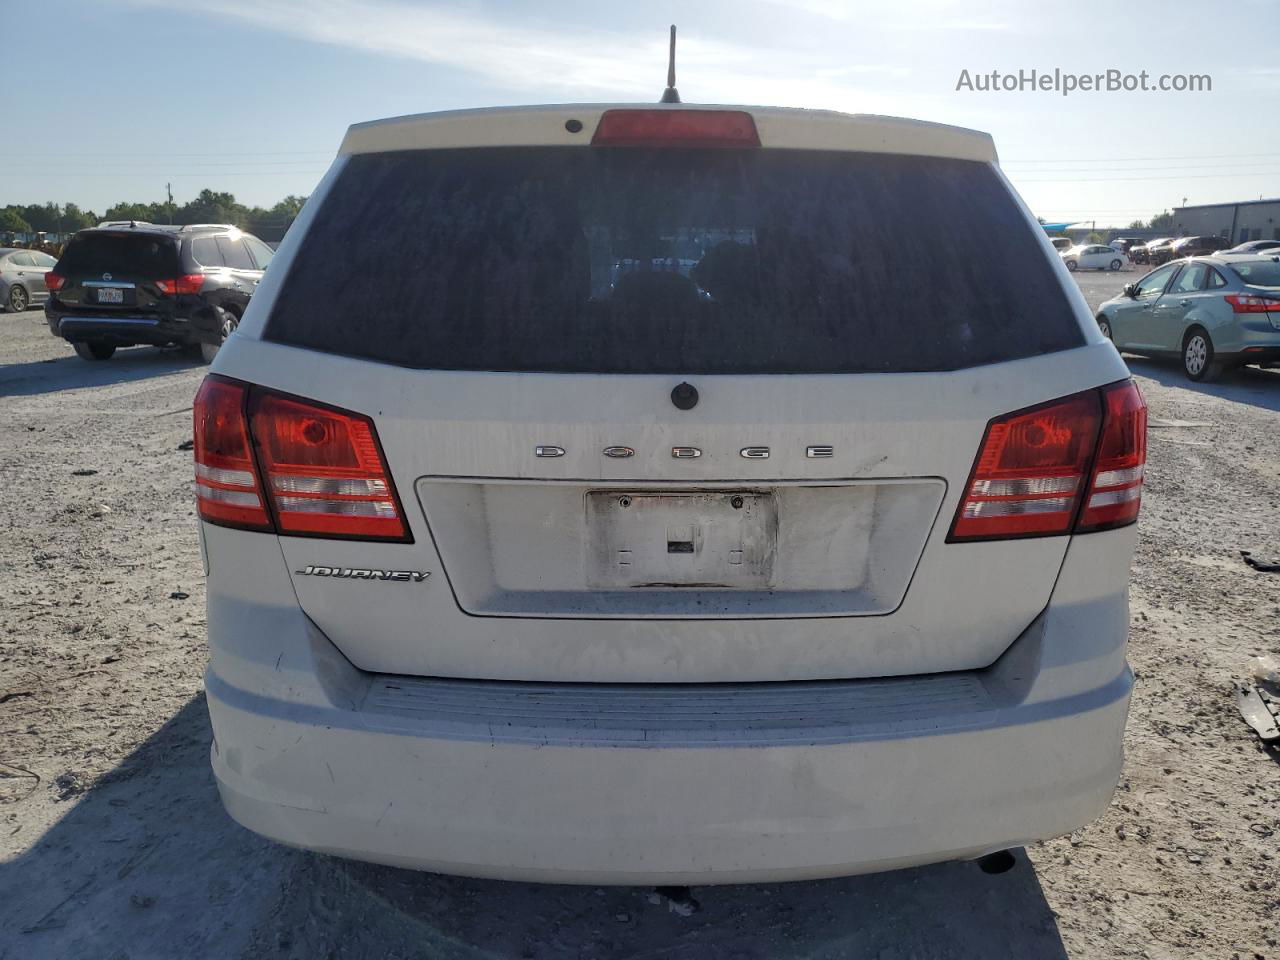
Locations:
{"points": [[42, 216], [136, 211], [1161, 221], [288, 208], [211, 207], [1138, 225], [272, 224], [11, 221], [73, 218]]}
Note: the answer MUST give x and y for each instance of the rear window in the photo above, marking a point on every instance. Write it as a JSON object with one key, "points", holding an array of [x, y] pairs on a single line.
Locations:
{"points": [[205, 252], [632, 260], [234, 253], [123, 255], [1259, 273]]}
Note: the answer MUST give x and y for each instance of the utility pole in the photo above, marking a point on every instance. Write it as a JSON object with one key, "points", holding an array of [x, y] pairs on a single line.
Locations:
{"points": [[169, 189]]}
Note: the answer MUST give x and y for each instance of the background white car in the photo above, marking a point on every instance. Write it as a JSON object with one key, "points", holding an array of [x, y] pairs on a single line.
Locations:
{"points": [[1093, 257]]}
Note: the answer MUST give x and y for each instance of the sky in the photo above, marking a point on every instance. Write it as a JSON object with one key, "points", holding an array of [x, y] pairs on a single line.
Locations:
{"points": [[253, 96]]}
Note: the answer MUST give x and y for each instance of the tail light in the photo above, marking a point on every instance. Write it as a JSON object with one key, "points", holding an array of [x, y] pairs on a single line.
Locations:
{"points": [[676, 128], [227, 487], [324, 469], [53, 282], [190, 283], [317, 470], [1244, 303], [1036, 468], [1115, 484]]}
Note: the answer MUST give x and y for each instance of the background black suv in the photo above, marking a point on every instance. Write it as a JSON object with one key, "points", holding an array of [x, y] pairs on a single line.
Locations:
{"points": [[120, 284], [1193, 247]]}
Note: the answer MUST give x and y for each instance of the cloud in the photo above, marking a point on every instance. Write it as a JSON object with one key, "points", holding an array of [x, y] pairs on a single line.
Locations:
{"points": [[930, 15], [574, 61]]}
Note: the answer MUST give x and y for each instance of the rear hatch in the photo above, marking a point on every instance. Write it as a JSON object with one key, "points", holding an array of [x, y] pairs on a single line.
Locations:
{"points": [[522, 326], [118, 273]]}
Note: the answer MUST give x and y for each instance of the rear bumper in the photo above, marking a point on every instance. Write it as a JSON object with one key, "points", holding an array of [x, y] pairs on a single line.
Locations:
{"points": [[665, 784], [121, 331], [1256, 354], [460, 798]]}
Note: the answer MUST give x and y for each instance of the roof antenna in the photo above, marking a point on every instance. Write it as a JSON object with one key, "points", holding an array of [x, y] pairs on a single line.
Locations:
{"points": [[671, 94]]}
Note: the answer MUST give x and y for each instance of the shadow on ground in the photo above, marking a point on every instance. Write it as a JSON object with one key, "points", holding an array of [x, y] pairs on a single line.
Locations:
{"points": [[72, 373], [145, 864], [1251, 385], [1259, 388], [946, 911], [142, 865]]}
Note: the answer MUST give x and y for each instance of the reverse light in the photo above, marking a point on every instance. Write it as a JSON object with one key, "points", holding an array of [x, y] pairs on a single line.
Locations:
{"points": [[270, 462], [190, 283], [1071, 464], [676, 128], [54, 282]]}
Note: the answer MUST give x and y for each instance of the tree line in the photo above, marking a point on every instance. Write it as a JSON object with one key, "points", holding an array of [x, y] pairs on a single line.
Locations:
{"points": [[209, 206], [1161, 221]]}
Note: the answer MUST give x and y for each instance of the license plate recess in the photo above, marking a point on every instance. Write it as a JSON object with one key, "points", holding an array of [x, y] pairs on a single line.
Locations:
{"points": [[704, 539]]}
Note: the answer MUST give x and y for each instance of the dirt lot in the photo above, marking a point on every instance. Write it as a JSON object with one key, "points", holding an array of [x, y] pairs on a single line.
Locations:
{"points": [[113, 844]]}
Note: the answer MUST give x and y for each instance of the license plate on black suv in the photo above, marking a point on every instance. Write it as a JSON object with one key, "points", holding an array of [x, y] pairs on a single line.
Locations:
{"points": [[110, 295]]}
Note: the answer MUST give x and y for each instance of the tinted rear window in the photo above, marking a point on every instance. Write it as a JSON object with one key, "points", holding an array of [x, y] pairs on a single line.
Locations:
{"points": [[671, 261], [124, 255]]}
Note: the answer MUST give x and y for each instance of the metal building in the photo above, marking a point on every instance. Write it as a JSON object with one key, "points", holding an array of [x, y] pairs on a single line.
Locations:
{"points": [[1237, 222]]}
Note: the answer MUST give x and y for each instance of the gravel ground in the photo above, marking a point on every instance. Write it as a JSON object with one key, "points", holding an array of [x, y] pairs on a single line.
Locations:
{"points": [[113, 844]]}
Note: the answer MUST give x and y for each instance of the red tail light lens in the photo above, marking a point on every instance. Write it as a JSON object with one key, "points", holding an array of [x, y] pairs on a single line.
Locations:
{"points": [[190, 283], [1075, 464], [1115, 488], [227, 488], [324, 470], [676, 128], [1243, 303], [53, 282], [265, 461], [1030, 470]]}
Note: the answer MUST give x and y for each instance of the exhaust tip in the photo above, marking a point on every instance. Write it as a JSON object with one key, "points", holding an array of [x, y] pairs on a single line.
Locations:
{"points": [[1002, 861]]}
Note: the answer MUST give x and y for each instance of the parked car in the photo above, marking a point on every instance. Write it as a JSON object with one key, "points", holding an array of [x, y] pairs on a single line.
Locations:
{"points": [[1141, 252], [1062, 243], [22, 278], [518, 571], [1212, 312], [135, 282], [1250, 246], [1125, 244], [1160, 251], [1093, 257], [1138, 253], [1193, 247]]}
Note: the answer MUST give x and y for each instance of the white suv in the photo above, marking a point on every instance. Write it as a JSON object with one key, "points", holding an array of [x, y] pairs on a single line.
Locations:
{"points": [[599, 494]]}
